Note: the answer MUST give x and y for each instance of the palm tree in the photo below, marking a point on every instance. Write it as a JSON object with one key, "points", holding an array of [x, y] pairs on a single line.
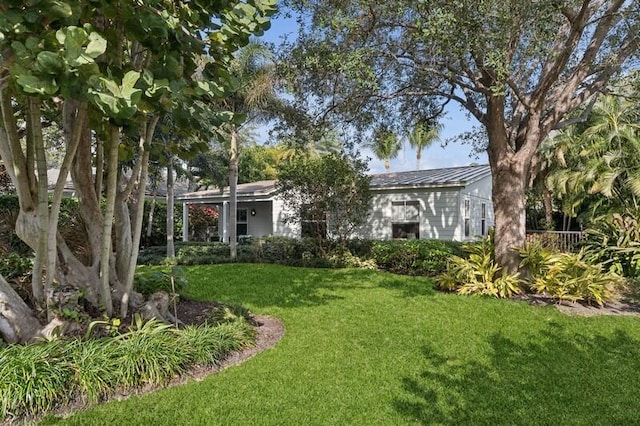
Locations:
{"points": [[422, 137], [602, 158], [385, 145], [255, 99]]}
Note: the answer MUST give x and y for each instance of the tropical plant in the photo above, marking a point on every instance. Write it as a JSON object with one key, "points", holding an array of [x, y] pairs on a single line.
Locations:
{"points": [[385, 145], [568, 276], [614, 241], [253, 100], [597, 164], [479, 273], [422, 136]]}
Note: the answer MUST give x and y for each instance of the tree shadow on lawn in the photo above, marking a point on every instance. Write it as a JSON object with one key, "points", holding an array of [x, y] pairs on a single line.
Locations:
{"points": [[554, 377], [269, 285], [408, 286]]}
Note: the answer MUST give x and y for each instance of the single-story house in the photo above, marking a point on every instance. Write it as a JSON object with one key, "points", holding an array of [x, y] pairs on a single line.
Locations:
{"points": [[450, 204]]}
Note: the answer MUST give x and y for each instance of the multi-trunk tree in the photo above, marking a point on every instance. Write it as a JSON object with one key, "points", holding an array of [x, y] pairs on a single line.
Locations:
{"points": [[519, 67], [106, 72]]}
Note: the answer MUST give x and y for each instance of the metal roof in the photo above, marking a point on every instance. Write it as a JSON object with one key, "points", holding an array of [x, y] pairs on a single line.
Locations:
{"points": [[255, 189], [451, 176]]}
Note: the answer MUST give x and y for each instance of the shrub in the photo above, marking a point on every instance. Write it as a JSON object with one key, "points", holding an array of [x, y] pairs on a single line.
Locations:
{"points": [[207, 345], [14, 265], [348, 260], [568, 276], [226, 313], [159, 223], [146, 355], [614, 241], [478, 274], [149, 281], [93, 368], [414, 257], [419, 257]]}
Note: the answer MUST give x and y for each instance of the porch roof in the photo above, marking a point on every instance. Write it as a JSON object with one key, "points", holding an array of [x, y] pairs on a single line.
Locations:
{"points": [[263, 189]]}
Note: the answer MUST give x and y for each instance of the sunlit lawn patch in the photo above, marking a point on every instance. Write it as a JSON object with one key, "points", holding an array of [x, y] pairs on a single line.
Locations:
{"points": [[363, 347]]}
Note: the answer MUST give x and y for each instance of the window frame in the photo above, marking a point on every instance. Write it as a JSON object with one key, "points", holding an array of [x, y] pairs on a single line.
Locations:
{"points": [[467, 217], [403, 224], [242, 223]]}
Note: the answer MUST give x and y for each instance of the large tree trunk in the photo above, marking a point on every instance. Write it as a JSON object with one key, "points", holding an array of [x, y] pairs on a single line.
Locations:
{"points": [[510, 178], [233, 195], [18, 324], [510, 214]]}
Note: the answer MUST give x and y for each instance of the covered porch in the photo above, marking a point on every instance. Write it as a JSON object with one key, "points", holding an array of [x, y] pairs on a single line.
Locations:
{"points": [[254, 216]]}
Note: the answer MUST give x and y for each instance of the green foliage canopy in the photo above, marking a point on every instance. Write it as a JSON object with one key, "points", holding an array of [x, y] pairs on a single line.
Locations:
{"points": [[330, 188]]}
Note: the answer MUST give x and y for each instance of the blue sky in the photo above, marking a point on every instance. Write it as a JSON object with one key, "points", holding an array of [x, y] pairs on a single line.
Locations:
{"points": [[454, 123]]}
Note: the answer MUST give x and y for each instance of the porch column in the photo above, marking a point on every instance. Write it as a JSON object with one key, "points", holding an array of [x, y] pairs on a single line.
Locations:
{"points": [[185, 222], [225, 220]]}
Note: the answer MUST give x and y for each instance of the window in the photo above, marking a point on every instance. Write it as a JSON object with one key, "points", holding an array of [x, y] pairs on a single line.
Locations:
{"points": [[241, 222], [467, 218], [405, 219], [483, 219]]}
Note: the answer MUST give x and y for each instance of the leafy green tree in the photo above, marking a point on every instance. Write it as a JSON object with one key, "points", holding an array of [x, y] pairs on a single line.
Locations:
{"points": [[520, 68], [330, 193], [422, 136], [385, 146], [109, 70]]}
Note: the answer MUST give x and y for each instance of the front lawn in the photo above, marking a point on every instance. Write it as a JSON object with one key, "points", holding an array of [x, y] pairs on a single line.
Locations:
{"points": [[369, 348]]}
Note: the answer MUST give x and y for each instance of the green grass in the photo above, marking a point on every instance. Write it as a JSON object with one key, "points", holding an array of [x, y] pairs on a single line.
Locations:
{"points": [[369, 348]]}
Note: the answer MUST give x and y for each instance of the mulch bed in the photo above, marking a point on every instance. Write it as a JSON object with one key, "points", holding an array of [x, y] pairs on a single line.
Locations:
{"points": [[616, 307], [269, 331]]}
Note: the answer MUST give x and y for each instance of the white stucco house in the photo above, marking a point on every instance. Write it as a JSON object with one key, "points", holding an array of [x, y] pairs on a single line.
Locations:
{"points": [[449, 204]]}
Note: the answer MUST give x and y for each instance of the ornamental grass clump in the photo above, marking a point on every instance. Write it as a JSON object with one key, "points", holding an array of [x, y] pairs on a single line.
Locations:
{"points": [[93, 363], [207, 345], [34, 378], [40, 377], [147, 355]]}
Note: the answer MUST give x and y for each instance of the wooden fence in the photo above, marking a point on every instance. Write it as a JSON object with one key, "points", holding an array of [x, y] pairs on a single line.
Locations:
{"points": [[565, 241]]}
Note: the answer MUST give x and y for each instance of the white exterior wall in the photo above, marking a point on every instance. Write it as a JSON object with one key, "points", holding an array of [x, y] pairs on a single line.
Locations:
{"points": [[259, 225], [439, 213], [477, 193], [280, 228]]}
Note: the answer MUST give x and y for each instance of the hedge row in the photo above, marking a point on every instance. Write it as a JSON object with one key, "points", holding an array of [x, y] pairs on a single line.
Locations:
{"points": [[414, 257]]}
